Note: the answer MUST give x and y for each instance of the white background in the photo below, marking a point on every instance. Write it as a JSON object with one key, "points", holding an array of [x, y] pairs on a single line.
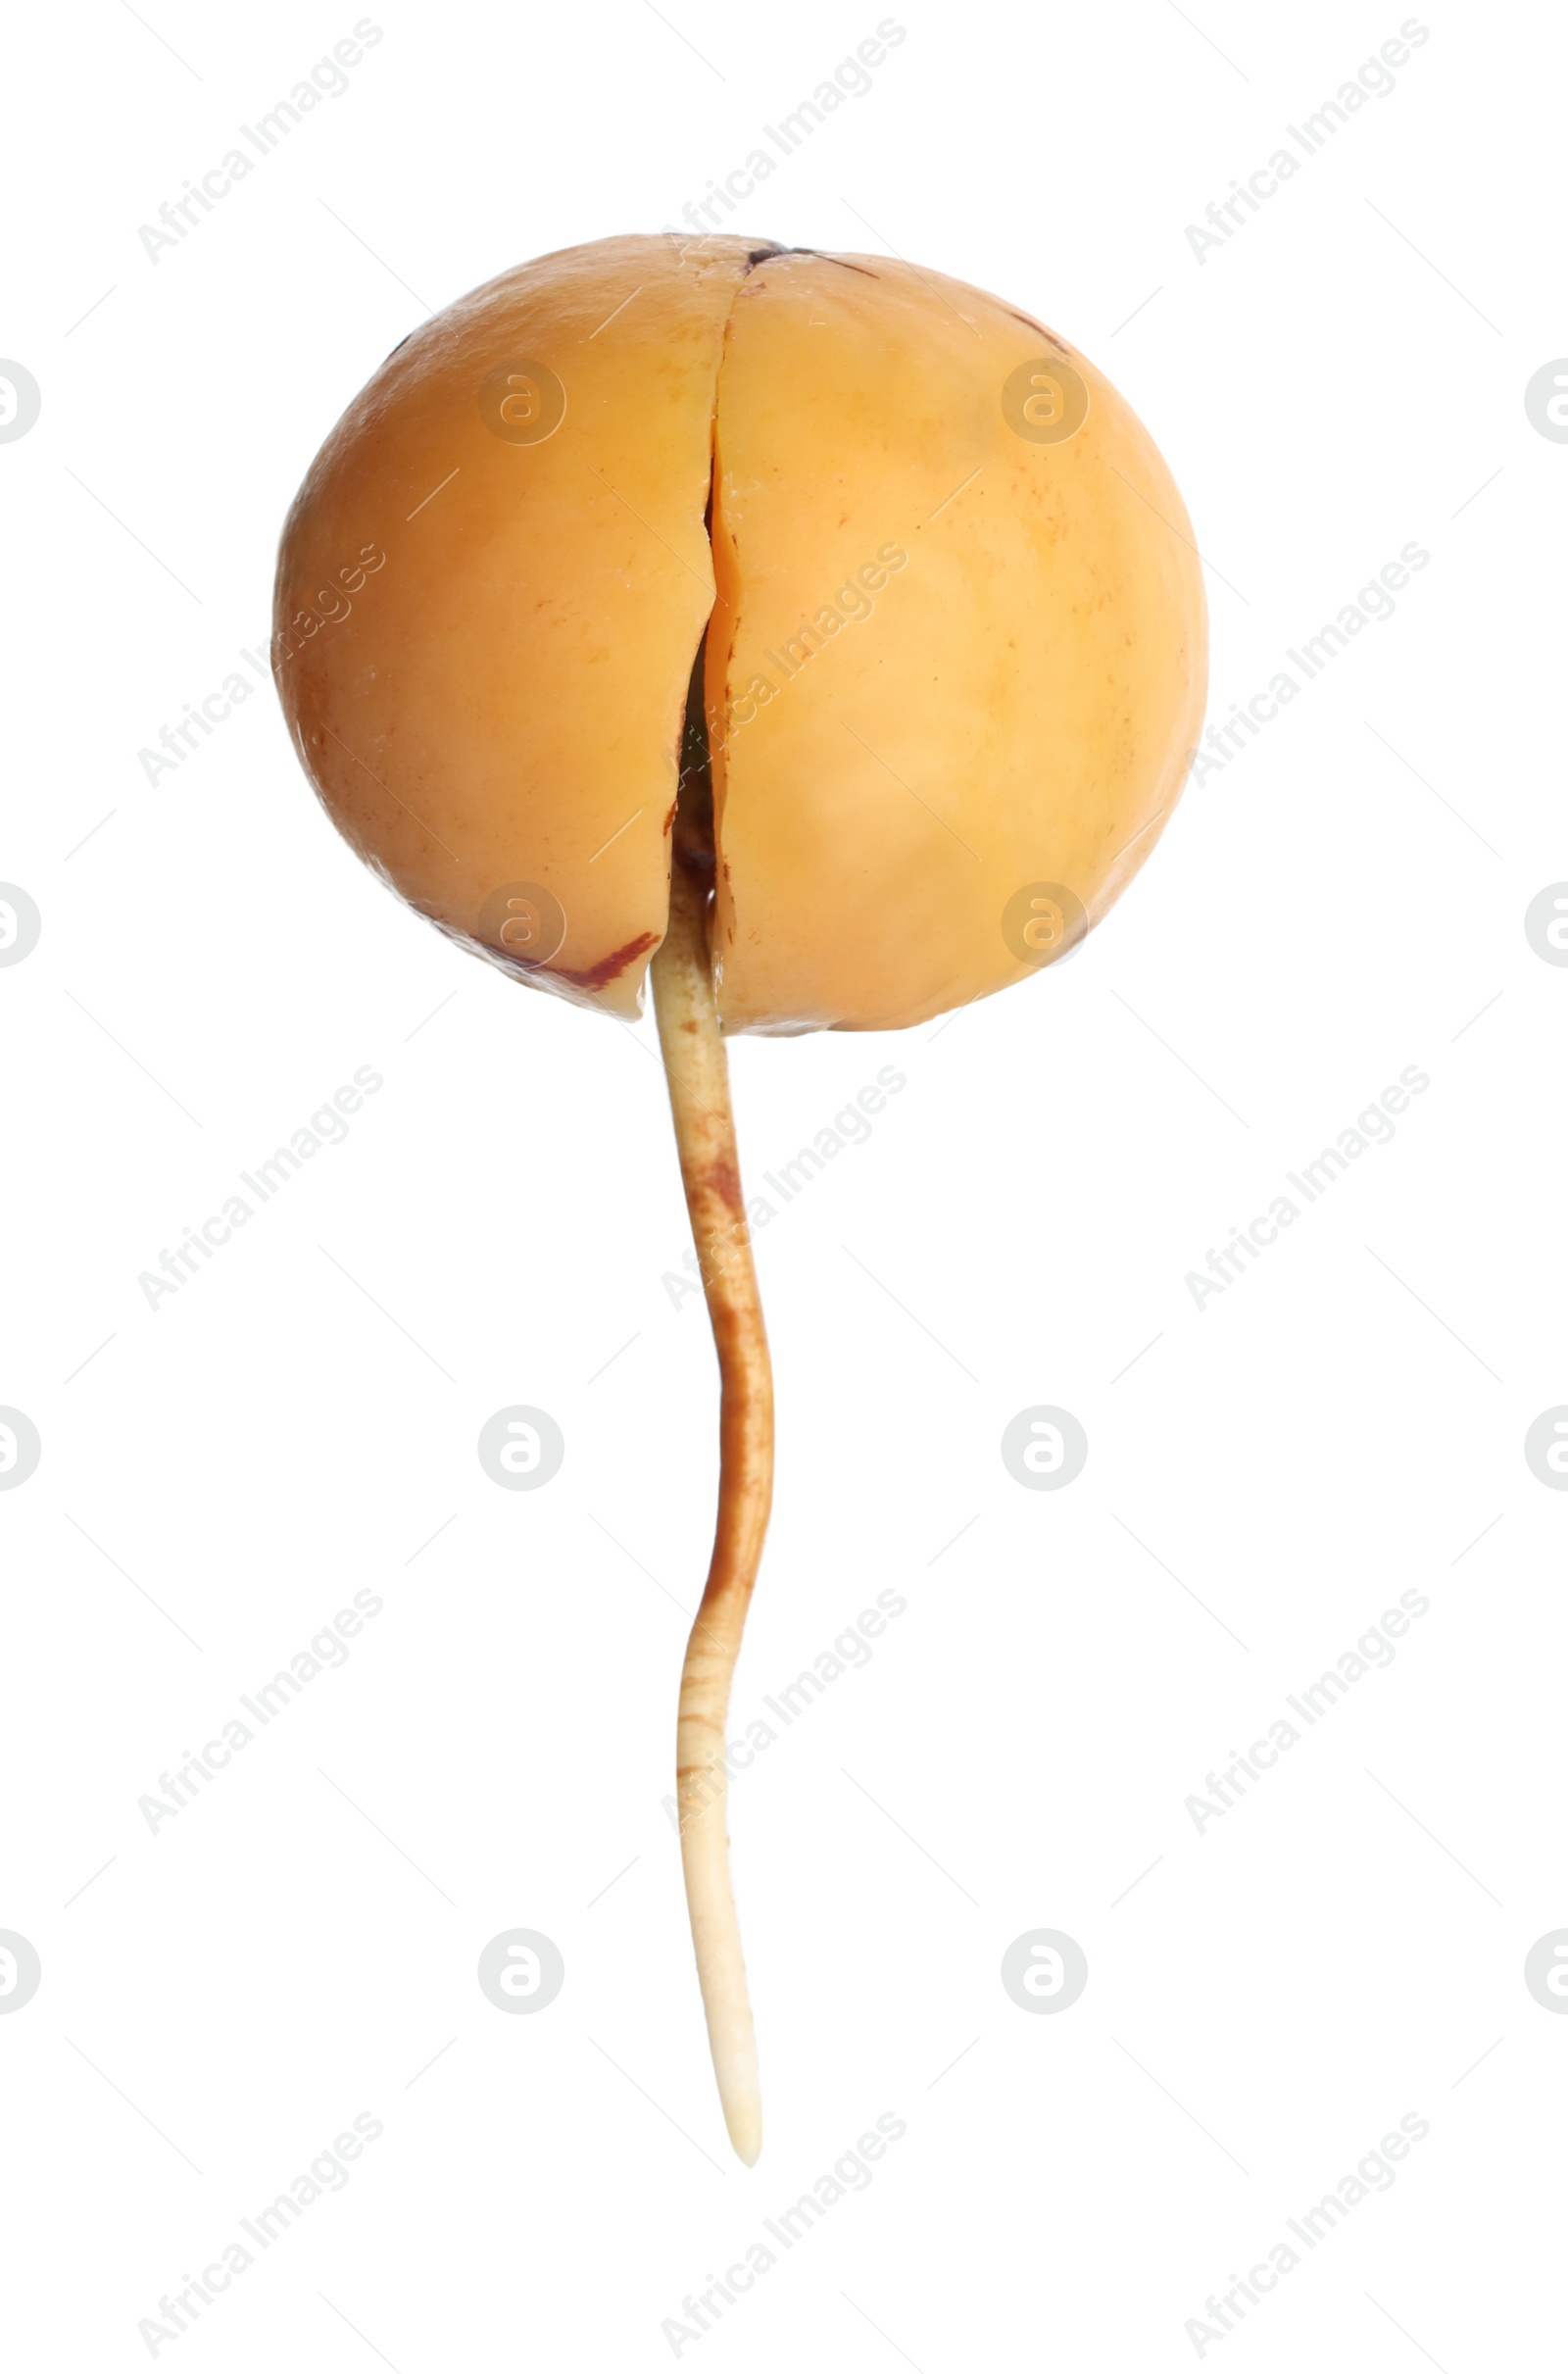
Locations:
{"points": [[1267, 1998]]}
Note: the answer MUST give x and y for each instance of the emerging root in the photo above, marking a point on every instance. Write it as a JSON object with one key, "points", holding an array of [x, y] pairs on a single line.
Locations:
{"points": [[697, 1075]]}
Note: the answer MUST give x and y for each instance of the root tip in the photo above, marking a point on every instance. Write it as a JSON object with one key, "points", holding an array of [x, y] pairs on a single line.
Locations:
{"points": [[745, 2123]]}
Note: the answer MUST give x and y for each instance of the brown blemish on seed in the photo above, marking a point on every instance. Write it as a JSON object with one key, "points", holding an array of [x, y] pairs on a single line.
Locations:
{"points": [[766, 255], [1030, 323], [608, 969]]}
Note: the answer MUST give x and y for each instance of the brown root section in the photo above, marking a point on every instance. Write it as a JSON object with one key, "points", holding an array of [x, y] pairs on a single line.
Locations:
{"points": [[697, 1075]]}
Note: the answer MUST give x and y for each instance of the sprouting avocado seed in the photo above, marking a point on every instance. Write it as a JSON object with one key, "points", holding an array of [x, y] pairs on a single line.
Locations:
{"points": [[818, 631]]}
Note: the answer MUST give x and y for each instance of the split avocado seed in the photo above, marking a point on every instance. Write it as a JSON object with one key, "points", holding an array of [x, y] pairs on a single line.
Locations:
{"points": [[818, 633]]}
